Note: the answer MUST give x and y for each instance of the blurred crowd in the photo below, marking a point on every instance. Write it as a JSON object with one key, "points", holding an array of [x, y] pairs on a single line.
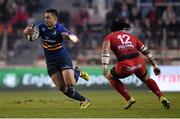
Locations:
{"points": [[156, 23], [14, 16]]}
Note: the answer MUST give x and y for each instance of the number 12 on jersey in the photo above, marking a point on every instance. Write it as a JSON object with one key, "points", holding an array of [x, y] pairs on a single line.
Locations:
{"points": [[124, 39]]}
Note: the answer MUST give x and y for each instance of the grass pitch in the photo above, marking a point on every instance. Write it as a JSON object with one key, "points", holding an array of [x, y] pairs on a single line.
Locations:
{"points": [[106, 104]]}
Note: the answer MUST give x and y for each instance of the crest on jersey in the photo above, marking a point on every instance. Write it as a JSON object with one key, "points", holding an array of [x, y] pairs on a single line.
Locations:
{"points": [[54, 33]]}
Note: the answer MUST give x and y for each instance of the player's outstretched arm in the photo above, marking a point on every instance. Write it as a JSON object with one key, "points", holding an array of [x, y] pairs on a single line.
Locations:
{"points": [[145, 51], [105, 56], [70, 37]]}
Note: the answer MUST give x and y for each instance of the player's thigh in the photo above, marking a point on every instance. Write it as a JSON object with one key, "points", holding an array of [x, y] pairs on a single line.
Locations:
{"points": [[141, 72], [120, 70], [116, 73], [68, 76], [57, 78]]}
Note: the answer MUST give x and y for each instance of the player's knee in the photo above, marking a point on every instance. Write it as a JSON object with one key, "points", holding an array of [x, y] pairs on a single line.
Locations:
{"points": [[63, 88], [145, 78], [111, 77], [71, 83]]}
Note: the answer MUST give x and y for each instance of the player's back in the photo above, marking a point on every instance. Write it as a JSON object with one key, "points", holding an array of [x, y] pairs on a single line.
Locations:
{"points": [[124, 45]]}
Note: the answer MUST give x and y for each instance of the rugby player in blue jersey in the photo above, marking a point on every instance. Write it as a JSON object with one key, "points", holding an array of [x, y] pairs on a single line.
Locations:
{"points": [[59, 63]]}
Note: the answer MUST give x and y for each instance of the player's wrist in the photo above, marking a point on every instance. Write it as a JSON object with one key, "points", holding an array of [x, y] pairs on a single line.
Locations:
{"points": [[155, 66], [105, 59], [105, 66]]}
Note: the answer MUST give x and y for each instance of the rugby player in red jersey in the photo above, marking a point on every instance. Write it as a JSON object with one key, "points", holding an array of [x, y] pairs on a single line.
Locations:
{"points": [[127, 49]]}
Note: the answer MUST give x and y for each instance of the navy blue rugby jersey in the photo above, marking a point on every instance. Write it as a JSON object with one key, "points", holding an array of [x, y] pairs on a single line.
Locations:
{"points": [[52, 41]]}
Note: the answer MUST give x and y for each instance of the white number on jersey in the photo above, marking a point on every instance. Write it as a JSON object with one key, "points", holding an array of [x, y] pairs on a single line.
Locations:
{"points": [[124, 39]]}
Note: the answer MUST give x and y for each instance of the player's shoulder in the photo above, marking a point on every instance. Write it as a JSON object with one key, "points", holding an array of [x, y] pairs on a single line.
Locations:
{"points": [[59, 25], [41, 24], [109, 36]]}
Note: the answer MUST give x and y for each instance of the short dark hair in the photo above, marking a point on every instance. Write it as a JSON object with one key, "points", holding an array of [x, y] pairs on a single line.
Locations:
{"points": [[52, 11]]}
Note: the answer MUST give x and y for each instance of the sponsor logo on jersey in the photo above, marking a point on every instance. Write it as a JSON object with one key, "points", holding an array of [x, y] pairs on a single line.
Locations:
{"points": [[125, 46]]}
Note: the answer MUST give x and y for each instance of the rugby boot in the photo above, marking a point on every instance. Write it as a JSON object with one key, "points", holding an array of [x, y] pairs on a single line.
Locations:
{"points": [[85, 104], [129, 103], [165, 102]]}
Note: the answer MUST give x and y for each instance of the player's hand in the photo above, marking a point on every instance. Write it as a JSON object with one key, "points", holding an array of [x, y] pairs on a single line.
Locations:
{"points": [[28, 30], [65, 35], [157, 71]]}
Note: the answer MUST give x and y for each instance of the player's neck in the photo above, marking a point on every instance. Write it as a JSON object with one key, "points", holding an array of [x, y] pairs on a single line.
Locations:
{"points": [[52, 26]]}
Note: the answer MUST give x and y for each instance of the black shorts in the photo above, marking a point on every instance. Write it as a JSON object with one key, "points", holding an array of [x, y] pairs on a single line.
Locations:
{"points": [[58, 65]]}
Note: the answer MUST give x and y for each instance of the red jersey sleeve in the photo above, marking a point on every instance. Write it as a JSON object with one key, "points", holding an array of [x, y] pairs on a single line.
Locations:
{"points": [[139, 44], [107, 38]]}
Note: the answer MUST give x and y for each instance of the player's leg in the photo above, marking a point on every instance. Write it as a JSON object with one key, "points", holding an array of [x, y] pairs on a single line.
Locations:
{"points": [[55, 70], [117, 84], [68, 76], [120, 87], [76, 74], [141, 73], [79, 73], [58, 81], [69, 91], [56, 75], [152, 85]]}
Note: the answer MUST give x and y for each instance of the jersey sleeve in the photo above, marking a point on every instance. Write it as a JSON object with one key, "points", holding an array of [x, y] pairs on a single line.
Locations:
{"points": [[107, 38], [139, 44], [64, 29]]}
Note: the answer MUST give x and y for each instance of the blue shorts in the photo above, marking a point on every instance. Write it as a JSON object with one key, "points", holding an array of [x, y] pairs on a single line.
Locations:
{"points": [[59, 64]]}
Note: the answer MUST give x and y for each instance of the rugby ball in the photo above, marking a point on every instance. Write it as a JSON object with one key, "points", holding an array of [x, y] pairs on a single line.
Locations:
{"points": [[35, 34]]}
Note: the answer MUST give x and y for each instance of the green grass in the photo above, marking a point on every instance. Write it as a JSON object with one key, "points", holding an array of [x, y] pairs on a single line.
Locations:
{"points": [[107, 104]]}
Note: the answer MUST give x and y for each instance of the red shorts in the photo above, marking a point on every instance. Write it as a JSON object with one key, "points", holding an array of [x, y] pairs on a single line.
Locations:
{"points": [[127, 67]]}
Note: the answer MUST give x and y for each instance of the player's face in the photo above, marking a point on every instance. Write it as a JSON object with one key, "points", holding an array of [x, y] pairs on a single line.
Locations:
{"points": [[50, 20]]}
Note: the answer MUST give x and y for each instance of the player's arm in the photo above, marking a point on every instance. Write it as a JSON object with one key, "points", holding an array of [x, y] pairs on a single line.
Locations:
{"points": [[70, 37], [145, 51], [105, 56]]}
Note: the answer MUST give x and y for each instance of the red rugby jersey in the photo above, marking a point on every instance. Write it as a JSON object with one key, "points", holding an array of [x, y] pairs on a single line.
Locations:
{"points": [[123, 44]]}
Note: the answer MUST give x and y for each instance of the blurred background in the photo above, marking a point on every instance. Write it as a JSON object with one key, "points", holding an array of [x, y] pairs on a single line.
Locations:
{"points": [[22, 63]]}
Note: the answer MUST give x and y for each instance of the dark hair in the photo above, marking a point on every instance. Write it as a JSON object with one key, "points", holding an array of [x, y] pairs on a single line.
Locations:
{"points": [[52, 11], [119, 24]]}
